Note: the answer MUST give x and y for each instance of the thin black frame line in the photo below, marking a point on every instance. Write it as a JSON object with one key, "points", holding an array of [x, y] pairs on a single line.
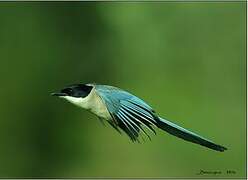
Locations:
{"points": [[129, 1], [123, 178]]}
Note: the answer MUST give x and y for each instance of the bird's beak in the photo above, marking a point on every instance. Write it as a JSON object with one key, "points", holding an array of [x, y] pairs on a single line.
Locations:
{"points": [[58, 94]]}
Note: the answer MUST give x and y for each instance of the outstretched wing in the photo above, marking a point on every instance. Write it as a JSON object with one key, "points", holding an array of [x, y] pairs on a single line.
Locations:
{"points": [[129, 113]]}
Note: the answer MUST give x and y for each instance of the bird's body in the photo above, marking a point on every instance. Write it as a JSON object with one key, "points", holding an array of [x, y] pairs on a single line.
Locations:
{"points": [[122, 110]]}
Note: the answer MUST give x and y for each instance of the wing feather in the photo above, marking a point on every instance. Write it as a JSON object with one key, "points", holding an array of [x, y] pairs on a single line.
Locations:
{"points": [[128, 111], [139, 114], [137, 117], [134, 120], [138, 109], [128, 121]]}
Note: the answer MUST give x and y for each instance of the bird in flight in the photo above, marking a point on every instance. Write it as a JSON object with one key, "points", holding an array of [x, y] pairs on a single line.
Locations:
{"points": [[125, 111]]}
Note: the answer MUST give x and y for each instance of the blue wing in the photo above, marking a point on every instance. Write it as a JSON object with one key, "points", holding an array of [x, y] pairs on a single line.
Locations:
{"points": [[129, 113]]}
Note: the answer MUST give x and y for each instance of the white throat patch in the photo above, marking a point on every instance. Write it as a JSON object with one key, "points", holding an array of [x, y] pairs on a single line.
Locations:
{"points": [[75, 100], [92, 102]]}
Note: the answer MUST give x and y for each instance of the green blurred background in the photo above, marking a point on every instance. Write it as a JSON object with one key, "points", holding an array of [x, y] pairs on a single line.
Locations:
{"points": [[187, 60]]}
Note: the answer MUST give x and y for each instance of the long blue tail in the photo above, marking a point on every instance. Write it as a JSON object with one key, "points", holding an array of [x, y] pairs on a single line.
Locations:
{"points": [[187, 135]]}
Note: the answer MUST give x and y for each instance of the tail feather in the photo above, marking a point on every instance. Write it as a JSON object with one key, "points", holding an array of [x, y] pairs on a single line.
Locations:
{"points": [[187, 135]]}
